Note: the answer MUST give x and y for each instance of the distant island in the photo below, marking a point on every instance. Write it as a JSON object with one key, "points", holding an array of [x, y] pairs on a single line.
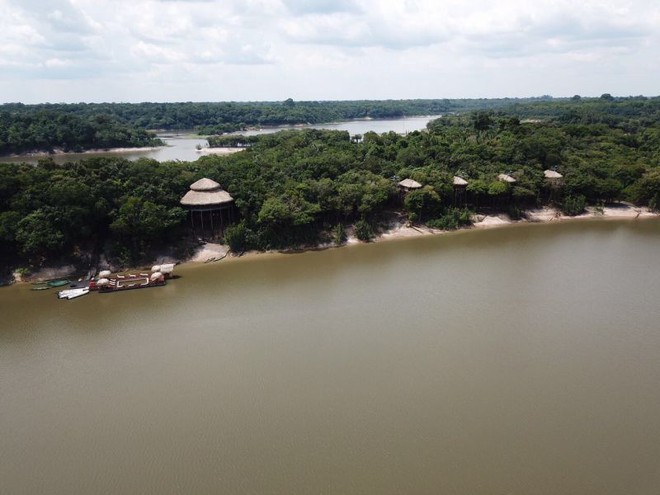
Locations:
{"points": [[77, 127], [297, 189], [38, 130]]}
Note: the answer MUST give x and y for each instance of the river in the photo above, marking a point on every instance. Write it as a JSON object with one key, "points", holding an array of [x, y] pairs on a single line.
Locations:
{"points": [[522, 360], [184, 145]]}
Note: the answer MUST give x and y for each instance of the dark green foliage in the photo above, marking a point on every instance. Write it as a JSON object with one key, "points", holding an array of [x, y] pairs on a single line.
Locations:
{"points": [[451, 219], [139, 224], [37, 129], [38, 235], [49, 211], [573, 205], [237, 237], [292, 186], [482, 121], [646, 189], [422, 203], [231, 141], [654, 202], [221, 117], [339, 235], [364, 231], [498, 188], [515, 213]]}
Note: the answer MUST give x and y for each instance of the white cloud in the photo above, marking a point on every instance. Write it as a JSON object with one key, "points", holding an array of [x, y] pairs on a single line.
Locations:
{"points": [[325, 49], [306, 7], [58, 62]]}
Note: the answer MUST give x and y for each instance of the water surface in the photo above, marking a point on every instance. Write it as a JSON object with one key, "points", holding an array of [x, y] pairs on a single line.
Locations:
{"points": [[183, 146], [511, 361]]}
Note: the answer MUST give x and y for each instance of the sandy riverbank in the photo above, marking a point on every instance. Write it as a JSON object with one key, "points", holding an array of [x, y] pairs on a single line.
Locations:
{"points": [[95, 151], [214, 252], [219, 151], [211, 252], [540, 215]]}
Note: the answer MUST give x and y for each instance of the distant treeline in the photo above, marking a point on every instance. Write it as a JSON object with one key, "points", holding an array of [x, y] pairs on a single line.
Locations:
{"points": [[216, 118], [82, 126], [297, 188], [39, 129], [628, 113]]}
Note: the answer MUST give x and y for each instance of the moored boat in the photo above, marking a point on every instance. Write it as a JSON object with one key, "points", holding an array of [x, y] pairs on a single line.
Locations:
{"points": [[58, 283], [72, 293], [108, 282], [166, 269]]}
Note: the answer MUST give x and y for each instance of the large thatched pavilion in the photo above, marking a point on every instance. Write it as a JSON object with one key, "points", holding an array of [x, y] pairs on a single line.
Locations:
{"points": [[209, 205]]}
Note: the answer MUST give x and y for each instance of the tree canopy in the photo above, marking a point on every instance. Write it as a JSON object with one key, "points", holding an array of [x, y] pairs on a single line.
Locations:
{"points": [[295, 188]]}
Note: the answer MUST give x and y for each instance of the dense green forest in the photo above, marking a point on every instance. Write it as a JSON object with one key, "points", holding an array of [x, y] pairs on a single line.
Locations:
{"points": [[49, 130], [82, 126], [216, 118], [297, 188]]}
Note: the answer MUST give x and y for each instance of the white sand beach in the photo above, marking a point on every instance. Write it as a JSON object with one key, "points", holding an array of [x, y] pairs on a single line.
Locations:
{"points": [[219, 151]]}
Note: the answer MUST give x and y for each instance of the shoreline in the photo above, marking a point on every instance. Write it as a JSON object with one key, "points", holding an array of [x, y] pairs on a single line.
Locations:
{"points": [[219, 151], [59, 152], [214, 252]]}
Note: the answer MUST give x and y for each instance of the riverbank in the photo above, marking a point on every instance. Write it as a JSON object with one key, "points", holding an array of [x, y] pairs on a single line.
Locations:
{"points": [[534, 216], [538, 215], [401, 229], [219, 151], [94, 151]]}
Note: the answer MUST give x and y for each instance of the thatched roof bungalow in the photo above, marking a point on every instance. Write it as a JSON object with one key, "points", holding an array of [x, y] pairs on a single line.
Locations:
{"points": [[506, 178], [460, 182], [409, 185], [553, 179], [551, 174]]}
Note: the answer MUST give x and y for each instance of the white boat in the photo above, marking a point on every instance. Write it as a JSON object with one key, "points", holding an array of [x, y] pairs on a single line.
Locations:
{"points": [[72, 293]]}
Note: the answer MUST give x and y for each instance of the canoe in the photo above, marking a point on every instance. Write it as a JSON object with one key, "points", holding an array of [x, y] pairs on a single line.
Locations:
{"points": [[57, 283], [39, 287]]}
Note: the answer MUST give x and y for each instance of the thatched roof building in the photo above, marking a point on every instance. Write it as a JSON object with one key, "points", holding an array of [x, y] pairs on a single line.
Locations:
{"points": [[206, 193], [206, 199], [506, 178], [551, 174], [460, 182], [409, 184], [553, 179]]}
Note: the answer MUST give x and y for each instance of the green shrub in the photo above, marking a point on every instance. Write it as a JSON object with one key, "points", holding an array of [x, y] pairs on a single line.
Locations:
{"points": [[515, 213], [339, 234], [574, 205], [236, 237], [452, 219], [364, 231]]}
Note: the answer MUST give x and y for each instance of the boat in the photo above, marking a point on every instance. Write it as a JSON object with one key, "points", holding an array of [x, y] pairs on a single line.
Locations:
{"points": [[107, 282], [42, 286], [166, 269], [58, 283], [72, 293]]}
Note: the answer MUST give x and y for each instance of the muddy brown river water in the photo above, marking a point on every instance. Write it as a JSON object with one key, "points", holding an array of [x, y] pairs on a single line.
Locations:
{"points": [[523, 360]]}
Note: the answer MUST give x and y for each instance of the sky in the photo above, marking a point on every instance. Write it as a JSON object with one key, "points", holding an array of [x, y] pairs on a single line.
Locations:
{"points": [[271, 50]]}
